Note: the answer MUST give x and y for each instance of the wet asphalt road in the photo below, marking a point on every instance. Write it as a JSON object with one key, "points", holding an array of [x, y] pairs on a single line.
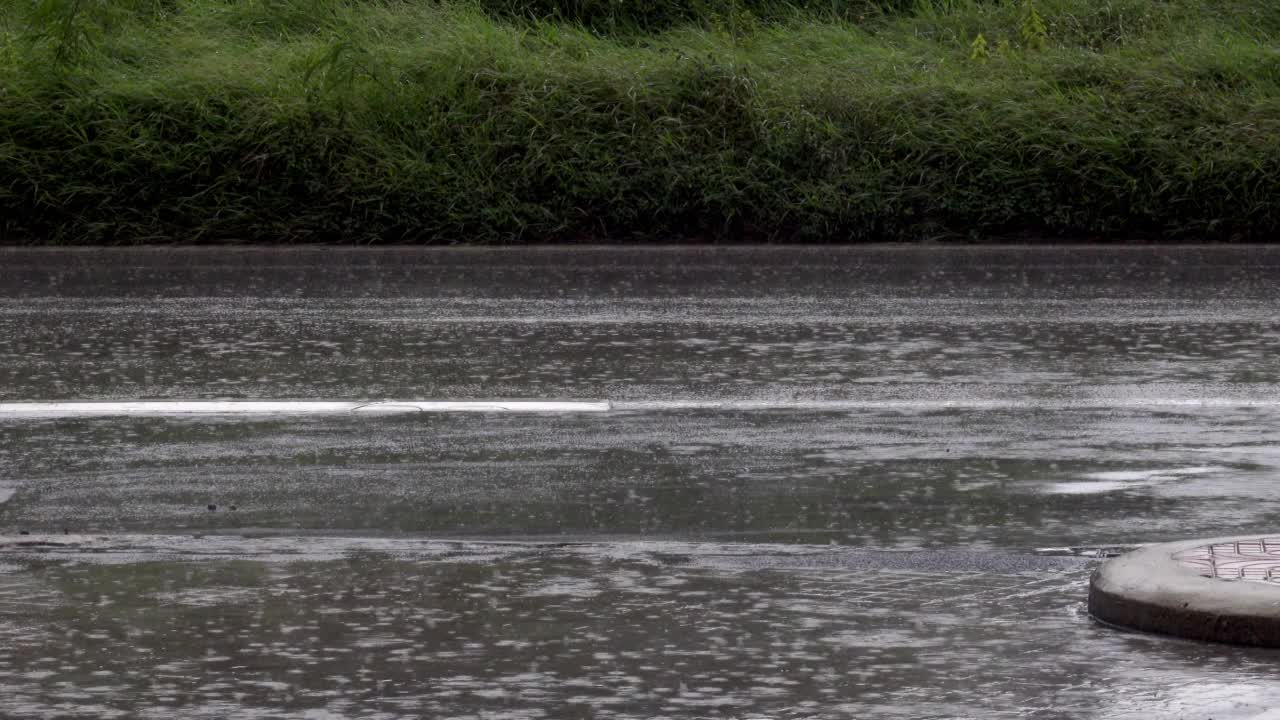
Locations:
{"points": [[835, 484]]}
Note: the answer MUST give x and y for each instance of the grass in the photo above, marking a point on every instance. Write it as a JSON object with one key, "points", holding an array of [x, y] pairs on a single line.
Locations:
{"points": [[447, 121]]}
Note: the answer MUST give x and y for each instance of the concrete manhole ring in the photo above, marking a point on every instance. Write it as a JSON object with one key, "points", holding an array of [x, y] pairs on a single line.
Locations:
{"points": [[1216, 589]]}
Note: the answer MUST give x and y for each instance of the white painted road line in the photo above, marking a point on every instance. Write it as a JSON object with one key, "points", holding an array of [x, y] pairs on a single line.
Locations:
{"points": [[959, 404], [172, 408], [169, 408]]}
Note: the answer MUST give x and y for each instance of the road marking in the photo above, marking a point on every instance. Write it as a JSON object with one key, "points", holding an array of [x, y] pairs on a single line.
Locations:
{"points": [[962, 404], [172, 408], [169, 408]]}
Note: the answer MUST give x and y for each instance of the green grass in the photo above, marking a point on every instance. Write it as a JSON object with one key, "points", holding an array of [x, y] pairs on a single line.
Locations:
{"points": [[443, 121]]}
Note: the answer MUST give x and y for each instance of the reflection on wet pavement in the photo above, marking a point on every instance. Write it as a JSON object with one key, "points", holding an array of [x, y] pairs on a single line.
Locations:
{"points": [[781, 518], [818, 323], [753, 349], [548, 634], [1000, 478]]}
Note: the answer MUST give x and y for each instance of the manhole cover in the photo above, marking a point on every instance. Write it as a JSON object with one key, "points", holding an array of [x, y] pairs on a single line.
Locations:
{"points": [[1176, 589], [1255, 559]]}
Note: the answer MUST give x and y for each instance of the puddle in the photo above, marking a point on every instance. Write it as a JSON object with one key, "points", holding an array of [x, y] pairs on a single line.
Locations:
{"points": [[1147, 475], [1121, 480]]}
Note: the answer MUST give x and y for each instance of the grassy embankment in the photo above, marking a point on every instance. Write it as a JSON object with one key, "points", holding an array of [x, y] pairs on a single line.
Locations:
{"points": [[544, 120]]}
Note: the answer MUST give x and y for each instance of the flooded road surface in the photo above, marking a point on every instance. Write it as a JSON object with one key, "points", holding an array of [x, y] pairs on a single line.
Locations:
{"points": [[830, 483]]}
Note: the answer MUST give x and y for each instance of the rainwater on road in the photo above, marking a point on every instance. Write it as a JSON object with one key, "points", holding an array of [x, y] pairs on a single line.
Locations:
{"points": [[834, 483]]}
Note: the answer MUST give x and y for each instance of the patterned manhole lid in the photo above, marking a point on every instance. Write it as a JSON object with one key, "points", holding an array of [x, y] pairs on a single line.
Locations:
{"points": [[1256, 559]]}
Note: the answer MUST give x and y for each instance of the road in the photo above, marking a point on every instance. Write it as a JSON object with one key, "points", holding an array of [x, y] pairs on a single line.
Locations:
{"points": [[833, 483]]}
